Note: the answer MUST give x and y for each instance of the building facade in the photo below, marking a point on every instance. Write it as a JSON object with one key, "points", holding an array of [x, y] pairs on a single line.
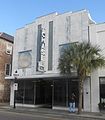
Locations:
{"points": [[37, 48], [6, 44]]}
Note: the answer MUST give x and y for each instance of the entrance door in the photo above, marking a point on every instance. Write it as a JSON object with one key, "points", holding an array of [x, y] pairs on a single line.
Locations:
{"points": [[44, 93], [73, 88], [60, 93]]}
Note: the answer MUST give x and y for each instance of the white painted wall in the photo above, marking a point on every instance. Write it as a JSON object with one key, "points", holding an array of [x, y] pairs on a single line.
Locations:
{"points": [[97, 37], [11, 94], [67, 27], [77, 31], [94, 91], [86, 95], [100, 29]]}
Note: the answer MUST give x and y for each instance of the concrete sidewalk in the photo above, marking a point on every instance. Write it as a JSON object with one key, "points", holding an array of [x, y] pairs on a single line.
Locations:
{"points": [[27, 110]]}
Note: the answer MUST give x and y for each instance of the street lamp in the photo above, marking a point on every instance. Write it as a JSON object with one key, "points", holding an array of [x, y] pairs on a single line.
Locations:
{"points": [[15, 85]]}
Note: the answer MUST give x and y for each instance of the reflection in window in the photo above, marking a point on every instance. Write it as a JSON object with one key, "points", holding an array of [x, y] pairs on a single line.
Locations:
{"points": [[60, 93], [102, 90], [25, 92], [63, 47], [50, 46]]}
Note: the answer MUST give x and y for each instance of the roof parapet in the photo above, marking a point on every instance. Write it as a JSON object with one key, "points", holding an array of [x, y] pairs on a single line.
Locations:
{"points": [[6, 37]]}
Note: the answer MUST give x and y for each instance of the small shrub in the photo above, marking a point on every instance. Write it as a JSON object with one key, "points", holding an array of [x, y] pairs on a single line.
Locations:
{"points": [[101, 106]]}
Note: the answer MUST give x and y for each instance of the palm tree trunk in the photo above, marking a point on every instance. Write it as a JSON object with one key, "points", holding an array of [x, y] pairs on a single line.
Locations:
{"points": [[80, 95]]}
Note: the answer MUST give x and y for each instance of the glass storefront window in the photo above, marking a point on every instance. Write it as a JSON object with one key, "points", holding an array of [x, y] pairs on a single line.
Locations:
{"points": [[29, 93], [44, 93], [25, 92], [47, 92], [73, 88], [60, 93], [102, 90], [20, 92]]}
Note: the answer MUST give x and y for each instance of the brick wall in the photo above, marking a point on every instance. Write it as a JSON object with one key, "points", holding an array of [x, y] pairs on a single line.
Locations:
{"points": [[4, 84]]}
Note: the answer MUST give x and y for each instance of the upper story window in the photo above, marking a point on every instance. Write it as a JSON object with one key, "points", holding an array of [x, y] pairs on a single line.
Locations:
{"points": [[62, 47], [50, 46], [9, 49], [39, 37], [7, 69]]}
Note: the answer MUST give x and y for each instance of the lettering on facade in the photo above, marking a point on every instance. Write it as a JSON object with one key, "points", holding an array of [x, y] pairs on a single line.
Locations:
{"points": [[41, 63]]}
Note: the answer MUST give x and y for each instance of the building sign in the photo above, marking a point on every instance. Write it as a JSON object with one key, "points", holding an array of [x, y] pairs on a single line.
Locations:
{"points": [[41, 63], [25, 59]]}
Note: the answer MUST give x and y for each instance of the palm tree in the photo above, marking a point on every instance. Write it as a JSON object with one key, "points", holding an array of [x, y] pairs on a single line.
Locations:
{"points": [[82, 57]]}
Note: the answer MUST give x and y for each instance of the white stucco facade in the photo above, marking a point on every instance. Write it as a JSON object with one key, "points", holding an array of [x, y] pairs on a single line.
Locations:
{"points": [[67, 28]]}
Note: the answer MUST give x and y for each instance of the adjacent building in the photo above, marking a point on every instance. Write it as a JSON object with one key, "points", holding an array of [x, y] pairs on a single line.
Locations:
{"points": [[6, 44], [37, 48]]}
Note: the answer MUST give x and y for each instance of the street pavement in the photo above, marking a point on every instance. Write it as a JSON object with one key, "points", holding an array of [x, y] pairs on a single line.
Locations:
{"points": [[22, 113]]}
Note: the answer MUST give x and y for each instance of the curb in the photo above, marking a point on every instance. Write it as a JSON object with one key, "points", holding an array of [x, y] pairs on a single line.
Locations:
{"points": [[65, 114]]}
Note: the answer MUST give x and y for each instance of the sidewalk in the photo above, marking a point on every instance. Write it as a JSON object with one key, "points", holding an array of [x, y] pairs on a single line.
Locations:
{"points": [[66, 114]]}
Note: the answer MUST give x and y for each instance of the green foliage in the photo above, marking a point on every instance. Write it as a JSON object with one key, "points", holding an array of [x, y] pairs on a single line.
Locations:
{"points": [[83, 57]]}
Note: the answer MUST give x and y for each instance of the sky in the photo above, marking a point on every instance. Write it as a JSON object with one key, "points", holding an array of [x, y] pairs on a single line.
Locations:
{"points": [[15, 14]]}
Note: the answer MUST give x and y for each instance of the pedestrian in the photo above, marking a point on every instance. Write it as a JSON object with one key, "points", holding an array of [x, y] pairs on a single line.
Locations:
{"points": [[72, 103]]}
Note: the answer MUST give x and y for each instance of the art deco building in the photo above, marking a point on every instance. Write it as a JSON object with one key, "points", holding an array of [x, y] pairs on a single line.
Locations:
{"points": [[37, 48]]}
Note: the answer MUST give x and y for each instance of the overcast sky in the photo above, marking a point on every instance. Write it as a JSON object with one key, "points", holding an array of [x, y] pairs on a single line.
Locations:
{"points": [[15, 14]]}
